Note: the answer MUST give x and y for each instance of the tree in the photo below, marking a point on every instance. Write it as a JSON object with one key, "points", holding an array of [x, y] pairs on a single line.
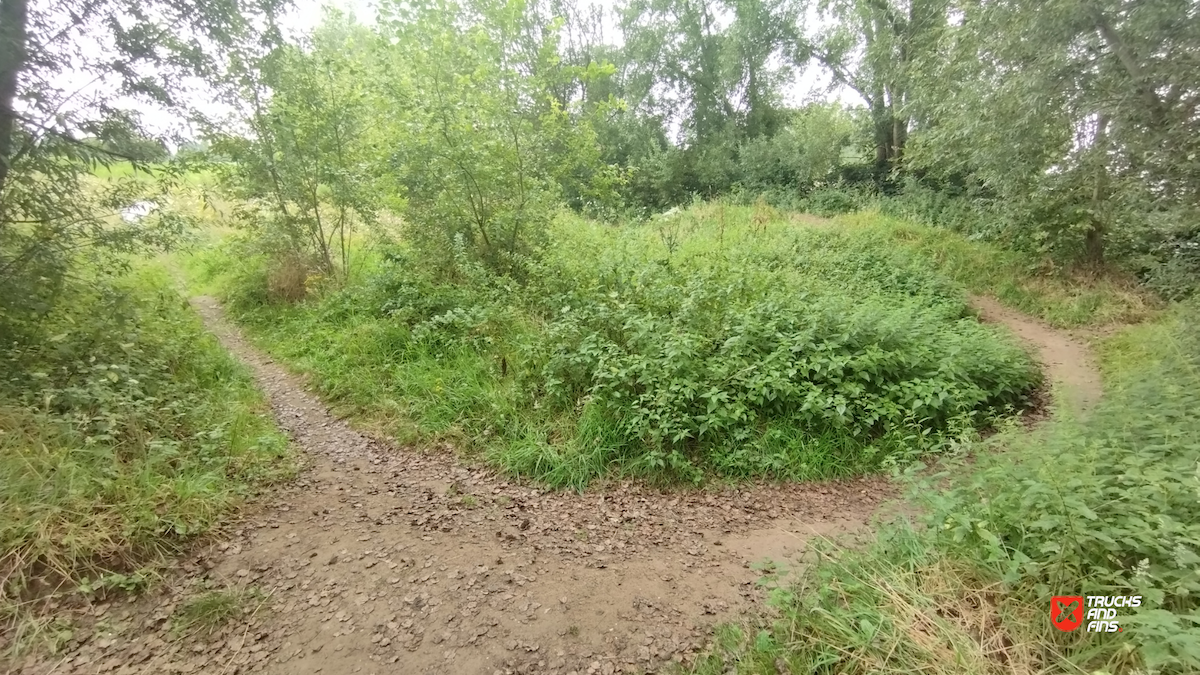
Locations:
{"points": [[75, 70], [1079, 115], [480, 141], [871, 47], [714, 66], [311, 166]]}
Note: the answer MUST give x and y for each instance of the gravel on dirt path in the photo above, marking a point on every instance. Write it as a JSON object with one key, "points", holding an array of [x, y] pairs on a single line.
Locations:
{"points": [[379, 559]]}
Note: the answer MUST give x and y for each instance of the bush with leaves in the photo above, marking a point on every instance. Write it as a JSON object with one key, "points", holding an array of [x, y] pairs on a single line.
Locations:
{"points": [[749, 363], [1105, 505], [308, 178], [126, 432], [58, 127], [481, 146], [721, 340]]}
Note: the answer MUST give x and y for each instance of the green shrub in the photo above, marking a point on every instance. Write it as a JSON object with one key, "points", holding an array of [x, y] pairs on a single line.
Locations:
{"points": [[733, 366], [1107, 505], [717, 340], [1102, 506], [832, 201], [125, 430]]}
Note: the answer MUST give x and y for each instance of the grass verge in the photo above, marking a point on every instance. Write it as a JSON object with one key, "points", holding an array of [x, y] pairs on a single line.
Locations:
{"points": [[125, 431], [1102, 506]]}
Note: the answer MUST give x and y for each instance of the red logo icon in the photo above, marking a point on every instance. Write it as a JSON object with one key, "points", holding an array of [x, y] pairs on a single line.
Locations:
{"points": [[1066, 611]]}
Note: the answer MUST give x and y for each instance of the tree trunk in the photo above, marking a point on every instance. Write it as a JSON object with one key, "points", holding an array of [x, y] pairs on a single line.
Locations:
{"points": [[884, 140], [14, 18], [1093, 240], [899, 139]]}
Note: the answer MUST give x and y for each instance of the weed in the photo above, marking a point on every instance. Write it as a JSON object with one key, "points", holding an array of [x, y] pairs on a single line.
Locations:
{"points": [[739, 345], [213, 609], [1034, 285], [1102, 508], [30, 633]]}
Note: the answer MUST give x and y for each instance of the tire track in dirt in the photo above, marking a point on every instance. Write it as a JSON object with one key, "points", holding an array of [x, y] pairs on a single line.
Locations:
{"points": [[390, 560]]}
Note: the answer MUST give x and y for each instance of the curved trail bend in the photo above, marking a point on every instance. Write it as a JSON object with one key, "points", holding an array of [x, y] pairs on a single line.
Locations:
{"points": [[378, 560], [1067, 361]]}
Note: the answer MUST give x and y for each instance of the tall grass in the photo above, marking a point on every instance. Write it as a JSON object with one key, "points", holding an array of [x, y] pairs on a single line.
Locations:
{"points": [[1103, 506], [125, 431], [1030, 283]]}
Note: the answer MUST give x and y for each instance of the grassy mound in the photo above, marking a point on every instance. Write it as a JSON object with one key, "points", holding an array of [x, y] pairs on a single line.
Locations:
{"points": [[722, 340]]}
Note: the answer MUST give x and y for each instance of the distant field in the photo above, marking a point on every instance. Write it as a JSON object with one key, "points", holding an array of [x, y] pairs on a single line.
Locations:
{"points": [[124, 170]]}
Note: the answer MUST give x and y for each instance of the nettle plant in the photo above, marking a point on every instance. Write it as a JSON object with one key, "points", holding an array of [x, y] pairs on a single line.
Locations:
{"points": [[736, 368], [1108, 506]]}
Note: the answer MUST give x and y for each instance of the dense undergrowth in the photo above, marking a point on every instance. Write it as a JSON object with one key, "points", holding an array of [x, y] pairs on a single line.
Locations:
{"points": [[125, 430], [1061, 296], [1104, 505], [721, 340], [983, 252]]}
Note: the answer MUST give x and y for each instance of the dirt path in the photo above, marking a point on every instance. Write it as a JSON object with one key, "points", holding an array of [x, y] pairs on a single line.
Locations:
{"points": [[1067, 361], [386, 560], [390, 560]]}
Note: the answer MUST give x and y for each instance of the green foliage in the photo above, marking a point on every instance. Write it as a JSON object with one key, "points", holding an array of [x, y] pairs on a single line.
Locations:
{"points": [[807, 150], [896, 608], [831, 202], [1033, 285], [124, 431], [483, 147], [1071, 116], [731, 356], [212, 609], [706, 342], [309, 176], [58, 126], [1105, 506]]}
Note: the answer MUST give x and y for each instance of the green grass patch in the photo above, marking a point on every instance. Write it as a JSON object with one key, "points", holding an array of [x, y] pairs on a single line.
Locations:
{"points": [[212, 609], [1102, 506], [125, 431], [720, 341]]}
